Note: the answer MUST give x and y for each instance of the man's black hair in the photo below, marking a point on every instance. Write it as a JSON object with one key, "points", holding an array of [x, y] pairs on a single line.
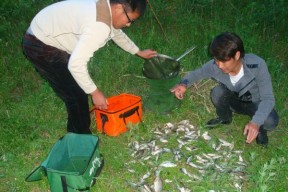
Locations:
{"points": [[224, 46], [134, 5]]}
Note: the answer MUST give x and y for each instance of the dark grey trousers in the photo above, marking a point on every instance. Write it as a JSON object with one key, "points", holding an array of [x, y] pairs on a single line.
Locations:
{"points": [[52, 64], [226, 102]]}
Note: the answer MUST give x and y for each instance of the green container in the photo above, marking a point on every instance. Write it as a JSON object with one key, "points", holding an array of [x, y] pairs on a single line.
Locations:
{"points": [[72, 164]]}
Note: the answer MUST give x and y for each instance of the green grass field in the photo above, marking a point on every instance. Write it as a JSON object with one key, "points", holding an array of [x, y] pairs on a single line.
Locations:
{"points": [[33, 118]]}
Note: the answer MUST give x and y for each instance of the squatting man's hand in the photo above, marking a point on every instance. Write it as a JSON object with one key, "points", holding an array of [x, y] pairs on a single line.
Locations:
{"points": [[99, 100], [179, 91], [147, 54], [251, 130]]}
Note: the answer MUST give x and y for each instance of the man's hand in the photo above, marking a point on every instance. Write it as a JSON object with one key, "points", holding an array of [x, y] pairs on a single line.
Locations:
{"points": [[99, 100], [251, 130], [179, 91], [147, 54]]}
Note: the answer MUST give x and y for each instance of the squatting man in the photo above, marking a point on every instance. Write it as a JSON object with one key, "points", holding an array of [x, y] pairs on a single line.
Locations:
{"points": [[244, 87]]}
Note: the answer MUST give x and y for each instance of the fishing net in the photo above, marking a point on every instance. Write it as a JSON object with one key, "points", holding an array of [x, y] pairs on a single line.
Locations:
{"points": [[162, 74], [161, 67]]}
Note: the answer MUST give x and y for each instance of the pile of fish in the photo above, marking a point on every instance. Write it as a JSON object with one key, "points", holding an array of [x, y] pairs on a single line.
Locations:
{"points": [[176, 147]]}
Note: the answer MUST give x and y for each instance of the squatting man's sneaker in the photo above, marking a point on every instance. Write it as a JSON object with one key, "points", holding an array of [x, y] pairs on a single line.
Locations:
{"points": [[262, 138], [217, 121]]}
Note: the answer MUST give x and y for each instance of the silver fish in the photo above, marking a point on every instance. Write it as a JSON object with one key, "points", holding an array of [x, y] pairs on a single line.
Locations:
{"points": [[238, 151], [169, 125], [180, 141], [147, 158], [147, 175], [184, 122], [213, 155], [157, 182], [238, 186], [180, 129], [145, 188], [240, 158], [183, 170], [157, 132], [131, 170], [221, 169], [191, 148], [167, 150], [189, 133], [163, 140], [183, 189], [168, 131], [241, 163], [195, 166], [226, 144], [167, 164], [201, 159], [206, 136], [188, 148], [148, 153], [157, 151], [168, 181], [189, 159], [133, 185]]}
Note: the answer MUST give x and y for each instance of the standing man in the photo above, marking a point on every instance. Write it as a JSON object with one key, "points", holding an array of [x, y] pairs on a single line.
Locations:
{"points": [[63, 37], [244, 87]]}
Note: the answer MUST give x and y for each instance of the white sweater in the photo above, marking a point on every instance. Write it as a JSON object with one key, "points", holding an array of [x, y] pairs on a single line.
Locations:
{"points": [[80, 29]]}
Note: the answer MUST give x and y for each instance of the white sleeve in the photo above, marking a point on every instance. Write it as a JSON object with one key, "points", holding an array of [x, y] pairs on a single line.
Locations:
{"points": [[93, 38], [123, 41]]}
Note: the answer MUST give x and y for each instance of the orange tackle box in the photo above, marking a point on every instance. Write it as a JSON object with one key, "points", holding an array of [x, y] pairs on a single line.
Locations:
{"points": [[122, 109]]}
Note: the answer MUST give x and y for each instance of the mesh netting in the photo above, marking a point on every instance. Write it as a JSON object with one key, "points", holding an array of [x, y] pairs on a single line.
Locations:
{"points": [[162, 73], [161, 67], [160, 99]]}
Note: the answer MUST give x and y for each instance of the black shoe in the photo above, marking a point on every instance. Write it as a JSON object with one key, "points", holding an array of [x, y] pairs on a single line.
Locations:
{"points": [[215, 122], [262, 138]]}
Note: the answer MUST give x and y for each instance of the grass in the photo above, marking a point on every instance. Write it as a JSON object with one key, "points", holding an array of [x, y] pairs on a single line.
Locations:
{"points": [[32, 117]]}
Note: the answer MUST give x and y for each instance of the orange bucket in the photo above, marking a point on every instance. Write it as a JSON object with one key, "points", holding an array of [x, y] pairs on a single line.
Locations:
{"points": [[122, 109]]}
